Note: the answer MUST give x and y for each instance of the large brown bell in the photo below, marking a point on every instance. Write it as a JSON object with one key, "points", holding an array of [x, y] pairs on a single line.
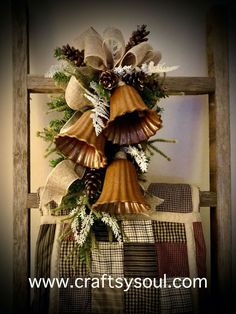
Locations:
{"points": [[80, 143], [121, 193], [130, 119]]}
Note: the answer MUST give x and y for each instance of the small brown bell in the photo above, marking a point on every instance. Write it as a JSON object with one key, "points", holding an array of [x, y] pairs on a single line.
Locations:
{"points": [[121, 193], [80, 143], [130, 120]]}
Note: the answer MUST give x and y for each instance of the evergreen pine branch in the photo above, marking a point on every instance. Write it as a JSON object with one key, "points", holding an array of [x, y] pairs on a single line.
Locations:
{"points": [[149, 150], [49, 151], [163, 140], [58, 53], [100, 90], [54, 162], [56, 102], [66, 232], [58, 109], [157, 150], [61, 79]]}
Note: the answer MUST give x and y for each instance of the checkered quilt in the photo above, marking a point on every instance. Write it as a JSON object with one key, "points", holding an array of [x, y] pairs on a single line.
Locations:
{"points": [[169, 245]]}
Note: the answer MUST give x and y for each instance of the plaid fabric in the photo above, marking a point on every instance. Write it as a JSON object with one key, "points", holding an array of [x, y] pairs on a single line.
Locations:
{"points": [[69, 264], [177, 197], [44, 247], [137, 231], [169, 232], [200, 249], [172, 259], [173, 300], [140, 260], [107, 300], [150, 249], [75, 300], [108, 259], [101, 233], [141, 301]]}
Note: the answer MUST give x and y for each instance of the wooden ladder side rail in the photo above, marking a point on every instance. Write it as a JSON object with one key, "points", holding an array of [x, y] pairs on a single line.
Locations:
{"points": [[21, 158], [220, 182]]}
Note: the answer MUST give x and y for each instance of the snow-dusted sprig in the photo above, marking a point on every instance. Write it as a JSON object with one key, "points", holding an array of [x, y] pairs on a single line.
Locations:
{"points": [[86, 224], [100, 111], [121, 71], [78, 216], [61, 67], [150, 68], [139, 157], [112, 223]]}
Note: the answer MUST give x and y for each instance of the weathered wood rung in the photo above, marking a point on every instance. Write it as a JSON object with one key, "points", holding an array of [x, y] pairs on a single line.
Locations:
{"points": [[207, 199], [173, 85]]}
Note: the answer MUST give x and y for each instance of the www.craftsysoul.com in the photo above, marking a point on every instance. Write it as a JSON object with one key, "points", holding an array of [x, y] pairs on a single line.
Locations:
{"points": [[107, 281]]}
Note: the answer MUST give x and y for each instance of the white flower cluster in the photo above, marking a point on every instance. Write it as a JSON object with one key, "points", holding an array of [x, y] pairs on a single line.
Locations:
{"points": [[139, 156], [100, 111], [150, 68], [127, 69], [87, 222], [112, 223], [82, 222]]}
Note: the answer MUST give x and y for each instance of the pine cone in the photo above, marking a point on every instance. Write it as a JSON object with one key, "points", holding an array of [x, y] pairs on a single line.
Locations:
{"points": [[136, 79], [74, 55], [108, 79], [93, 180], [137, 37], [153, 85]]}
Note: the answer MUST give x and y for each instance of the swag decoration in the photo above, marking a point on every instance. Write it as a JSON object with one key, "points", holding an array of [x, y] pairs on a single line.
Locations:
{"points": [[110, 111]]}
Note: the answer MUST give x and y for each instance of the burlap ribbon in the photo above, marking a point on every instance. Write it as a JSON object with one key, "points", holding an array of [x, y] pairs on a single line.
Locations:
{"points": [[101, 53], [74, 95], [58, 183]]}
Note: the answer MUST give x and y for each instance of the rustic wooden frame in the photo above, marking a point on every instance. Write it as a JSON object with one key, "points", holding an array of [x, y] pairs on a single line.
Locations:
{"points": [[219, 196]]}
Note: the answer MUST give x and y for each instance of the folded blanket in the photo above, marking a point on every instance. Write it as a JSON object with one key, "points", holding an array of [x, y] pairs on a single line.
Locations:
{"points": [[168, 245]]}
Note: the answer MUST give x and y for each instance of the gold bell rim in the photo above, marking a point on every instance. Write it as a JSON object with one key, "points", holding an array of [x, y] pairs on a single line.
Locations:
{"points": [[79, 139], [101, 154], [121, 208], [125, 112]]}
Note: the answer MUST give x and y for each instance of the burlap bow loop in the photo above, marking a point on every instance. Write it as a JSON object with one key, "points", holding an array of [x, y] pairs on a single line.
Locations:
{"points": [[109, 51], [58, 183], [74, 95], [114, 45], [92, 43], [142, 53]]}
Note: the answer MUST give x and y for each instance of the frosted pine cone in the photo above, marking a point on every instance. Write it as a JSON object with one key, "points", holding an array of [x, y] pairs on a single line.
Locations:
{"points": [[109, 79], [136, 79]]}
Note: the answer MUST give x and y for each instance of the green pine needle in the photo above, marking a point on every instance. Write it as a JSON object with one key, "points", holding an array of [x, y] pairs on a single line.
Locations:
{"points": [[58, 53], [54, 162], [164, 140], [157, 150], [61, 79]]}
